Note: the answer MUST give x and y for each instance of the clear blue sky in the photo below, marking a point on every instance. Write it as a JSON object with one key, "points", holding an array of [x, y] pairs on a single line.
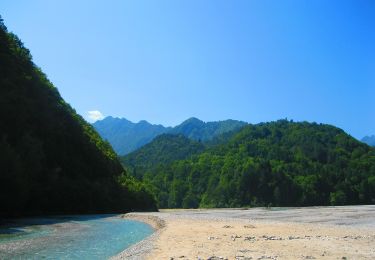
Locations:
{"points": [[165, 61]]}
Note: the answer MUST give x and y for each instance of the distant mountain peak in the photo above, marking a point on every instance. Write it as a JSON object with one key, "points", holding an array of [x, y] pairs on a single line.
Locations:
{"points": [[126, 136], [144, 122], [370, 140], [111, 118], [192, 119]]}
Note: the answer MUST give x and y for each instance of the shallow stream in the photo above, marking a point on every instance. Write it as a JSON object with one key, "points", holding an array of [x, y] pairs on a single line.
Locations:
{"points": [[70, 237]]}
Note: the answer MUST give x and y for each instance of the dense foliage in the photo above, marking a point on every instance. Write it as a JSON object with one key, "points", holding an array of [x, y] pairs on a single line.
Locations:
{"points": [[51, 160], [370, 140], [279, 163], [163, 150], [125, 136]]}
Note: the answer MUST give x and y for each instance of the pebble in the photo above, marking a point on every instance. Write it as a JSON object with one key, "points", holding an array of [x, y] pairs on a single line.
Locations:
{"points": [[249, 238], [234, 237], [249, 226], [227, 226], [271, 237]]}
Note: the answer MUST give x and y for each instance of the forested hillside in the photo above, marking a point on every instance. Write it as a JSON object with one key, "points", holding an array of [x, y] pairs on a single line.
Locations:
{"points": [[279, 163], [163, 150], [125, 136], [51, 160]]}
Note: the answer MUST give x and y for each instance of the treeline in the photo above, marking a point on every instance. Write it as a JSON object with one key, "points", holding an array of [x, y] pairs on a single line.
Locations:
{"points": [[51, 160], [270, 164]]}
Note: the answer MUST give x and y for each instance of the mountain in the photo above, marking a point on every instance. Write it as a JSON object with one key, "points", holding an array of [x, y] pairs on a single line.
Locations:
{"points": [[370, 140], [280, 163], [198, 130], [51, 160], [164, 149], [125, 136]]}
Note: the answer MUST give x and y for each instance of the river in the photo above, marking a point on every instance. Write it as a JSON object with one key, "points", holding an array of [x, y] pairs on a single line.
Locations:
{"points": [[70, 237]]}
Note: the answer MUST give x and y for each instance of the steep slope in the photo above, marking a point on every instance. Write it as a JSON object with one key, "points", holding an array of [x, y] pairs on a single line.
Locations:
{"points": [[51, 160], [370, 140], [279, 163], [125, 136], [163, 150]]}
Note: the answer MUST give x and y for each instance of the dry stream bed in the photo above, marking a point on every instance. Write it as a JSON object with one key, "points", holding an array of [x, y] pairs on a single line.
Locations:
{"points": [[280, 233]]}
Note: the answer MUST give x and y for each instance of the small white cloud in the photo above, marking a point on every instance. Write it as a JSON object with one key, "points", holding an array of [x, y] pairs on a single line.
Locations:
{"points": [[94, 115]]}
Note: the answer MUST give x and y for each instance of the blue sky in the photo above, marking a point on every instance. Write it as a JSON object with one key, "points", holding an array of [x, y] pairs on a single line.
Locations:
{"points": [[165, 61]]}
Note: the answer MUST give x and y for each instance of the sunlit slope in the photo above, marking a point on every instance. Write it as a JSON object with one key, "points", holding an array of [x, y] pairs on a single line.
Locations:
{"points": [[279, 163]]}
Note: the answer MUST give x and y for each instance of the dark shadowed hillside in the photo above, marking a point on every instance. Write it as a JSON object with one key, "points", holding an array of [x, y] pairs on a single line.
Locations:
{"points": [[278, 163], [51, 160]]}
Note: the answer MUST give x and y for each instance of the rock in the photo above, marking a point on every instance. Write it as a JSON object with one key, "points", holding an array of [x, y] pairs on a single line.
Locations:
{"points": [[217, 258], [250, 238], [249, 226], [267, 257], [245, 250], [234, 237], [271, 237], [293, 237], [242, 257], [227, 226]]}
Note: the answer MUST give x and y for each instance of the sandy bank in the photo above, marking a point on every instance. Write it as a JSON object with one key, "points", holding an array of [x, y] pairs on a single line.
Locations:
{"points": [[299, 233]]}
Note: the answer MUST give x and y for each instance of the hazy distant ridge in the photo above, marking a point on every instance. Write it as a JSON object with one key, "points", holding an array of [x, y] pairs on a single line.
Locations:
{"points": [[126, 136], [370, 140]]}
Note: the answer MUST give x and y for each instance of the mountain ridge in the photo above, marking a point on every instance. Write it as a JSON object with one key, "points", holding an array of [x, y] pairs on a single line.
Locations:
{"points": [[126, 136], [369, 139]]}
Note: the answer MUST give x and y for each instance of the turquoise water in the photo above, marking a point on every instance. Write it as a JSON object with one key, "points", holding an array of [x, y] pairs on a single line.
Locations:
{"points": [[70, 237]]}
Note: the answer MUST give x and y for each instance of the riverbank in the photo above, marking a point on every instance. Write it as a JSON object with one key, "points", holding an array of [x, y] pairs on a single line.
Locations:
{"points": [[143, 249], [297, 233]]}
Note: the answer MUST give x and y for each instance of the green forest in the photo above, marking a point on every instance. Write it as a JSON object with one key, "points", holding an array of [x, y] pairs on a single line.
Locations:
{"points": [[51, 160], [163, 150], [282, 163]]}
